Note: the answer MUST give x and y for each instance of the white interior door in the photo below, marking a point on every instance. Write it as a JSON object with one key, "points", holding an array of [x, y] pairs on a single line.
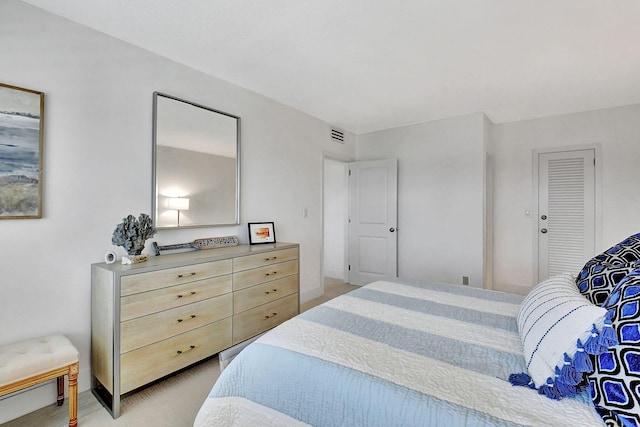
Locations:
{"points": [[566, 211], [373, 211]]}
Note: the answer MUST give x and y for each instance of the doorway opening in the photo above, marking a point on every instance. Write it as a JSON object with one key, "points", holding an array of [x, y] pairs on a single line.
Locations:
{"points": [[335, 219]]}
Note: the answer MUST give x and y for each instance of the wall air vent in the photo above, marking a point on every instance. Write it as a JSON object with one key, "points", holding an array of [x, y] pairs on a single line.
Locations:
{"points": [[337, 136]]}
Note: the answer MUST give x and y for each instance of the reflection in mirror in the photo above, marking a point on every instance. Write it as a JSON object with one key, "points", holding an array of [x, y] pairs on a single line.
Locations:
{"points": [[196, 170]]}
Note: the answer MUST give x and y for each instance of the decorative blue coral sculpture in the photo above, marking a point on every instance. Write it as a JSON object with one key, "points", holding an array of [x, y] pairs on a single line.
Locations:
{"points": [[132, 233]]}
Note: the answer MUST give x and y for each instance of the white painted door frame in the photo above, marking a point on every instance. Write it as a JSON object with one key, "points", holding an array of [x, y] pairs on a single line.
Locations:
{"points": [[536, 209]]}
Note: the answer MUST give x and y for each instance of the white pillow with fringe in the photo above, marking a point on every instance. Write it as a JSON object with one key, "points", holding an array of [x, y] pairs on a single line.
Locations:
{"points": [[558, 326]]}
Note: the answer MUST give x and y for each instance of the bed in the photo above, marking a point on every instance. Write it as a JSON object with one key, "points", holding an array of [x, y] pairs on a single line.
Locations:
{"points": [[391, 353]]}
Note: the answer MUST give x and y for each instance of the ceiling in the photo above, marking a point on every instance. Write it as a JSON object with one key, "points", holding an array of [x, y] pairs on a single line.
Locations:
{"points": [[366, 65]]}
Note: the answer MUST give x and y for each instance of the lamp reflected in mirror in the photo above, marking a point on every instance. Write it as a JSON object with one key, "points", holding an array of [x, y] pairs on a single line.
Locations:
{"points": [[196, 154], [178, 204]]}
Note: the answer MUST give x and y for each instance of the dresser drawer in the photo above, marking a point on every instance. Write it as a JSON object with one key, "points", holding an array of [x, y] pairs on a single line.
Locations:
{"points": [[146, 330], [142, 282], [252, 261], [244, 279], [257, 320], [149, 363], [141, 304], [254, 296]]}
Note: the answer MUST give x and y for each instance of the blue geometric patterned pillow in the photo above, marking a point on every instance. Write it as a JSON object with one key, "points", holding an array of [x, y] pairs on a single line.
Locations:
{"points": [[597, 278], [627, 251], [610, 419], [615, 381]]}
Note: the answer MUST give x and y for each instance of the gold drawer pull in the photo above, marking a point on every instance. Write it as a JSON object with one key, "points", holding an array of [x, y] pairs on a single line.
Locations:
{"points": [[268, 292], [270, 316], [269, 274], [270, 259], [179, 352], [190, 293], [180, 276], [193, 316]]}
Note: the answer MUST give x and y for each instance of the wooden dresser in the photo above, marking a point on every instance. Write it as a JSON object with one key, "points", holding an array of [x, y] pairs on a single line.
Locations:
{"points": [[151, 319]]}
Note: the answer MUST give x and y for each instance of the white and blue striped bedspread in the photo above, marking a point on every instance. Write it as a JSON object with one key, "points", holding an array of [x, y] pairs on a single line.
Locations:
{"points": [[390, 354]]}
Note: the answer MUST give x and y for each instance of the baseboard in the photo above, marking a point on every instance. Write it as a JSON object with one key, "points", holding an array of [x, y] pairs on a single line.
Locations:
{"points": [[335, 274], [511, 288], [311, 294]]}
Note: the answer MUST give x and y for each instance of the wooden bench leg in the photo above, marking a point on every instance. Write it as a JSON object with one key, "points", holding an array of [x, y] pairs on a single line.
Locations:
{"points": [[60, 399], [73, 394]]}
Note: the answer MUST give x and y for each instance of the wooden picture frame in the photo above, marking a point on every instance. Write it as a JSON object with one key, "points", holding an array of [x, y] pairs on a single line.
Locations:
{"points": [[21, 143], [261, 232]]}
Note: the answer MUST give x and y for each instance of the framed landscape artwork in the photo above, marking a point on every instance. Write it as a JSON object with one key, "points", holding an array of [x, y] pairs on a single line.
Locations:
{"points": [[21, 140]]}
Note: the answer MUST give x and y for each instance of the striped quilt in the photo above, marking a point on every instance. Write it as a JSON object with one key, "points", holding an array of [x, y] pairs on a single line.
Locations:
{"points": [[390, 354]]}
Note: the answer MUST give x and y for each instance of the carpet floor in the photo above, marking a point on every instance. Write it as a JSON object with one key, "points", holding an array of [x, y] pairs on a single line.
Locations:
{"points": [[173, 402]]}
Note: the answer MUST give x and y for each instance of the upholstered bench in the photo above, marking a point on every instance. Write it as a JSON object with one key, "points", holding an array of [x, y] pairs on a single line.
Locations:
{"points": [[31, 362]]}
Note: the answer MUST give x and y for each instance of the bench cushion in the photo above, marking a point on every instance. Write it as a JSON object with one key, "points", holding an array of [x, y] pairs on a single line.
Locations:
{"points": [[32, 357]]}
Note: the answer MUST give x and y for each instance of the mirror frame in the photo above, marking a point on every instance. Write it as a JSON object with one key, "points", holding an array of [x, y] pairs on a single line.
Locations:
{"points": [[154, 183]]}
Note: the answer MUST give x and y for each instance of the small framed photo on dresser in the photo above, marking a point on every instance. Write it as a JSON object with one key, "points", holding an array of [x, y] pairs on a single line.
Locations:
{"points": [[261, 232]]}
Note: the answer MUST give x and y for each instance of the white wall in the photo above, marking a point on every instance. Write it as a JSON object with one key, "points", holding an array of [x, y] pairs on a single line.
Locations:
{"points": [[97, 169], [616, 130], [440, 196], [444, 165]]}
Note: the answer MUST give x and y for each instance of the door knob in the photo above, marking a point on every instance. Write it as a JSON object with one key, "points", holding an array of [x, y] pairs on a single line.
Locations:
{"points": [[543, 230], [392, 229]]}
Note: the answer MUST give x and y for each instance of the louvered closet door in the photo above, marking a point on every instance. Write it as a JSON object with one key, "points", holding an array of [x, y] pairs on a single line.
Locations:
{"points": [[566, 211]]}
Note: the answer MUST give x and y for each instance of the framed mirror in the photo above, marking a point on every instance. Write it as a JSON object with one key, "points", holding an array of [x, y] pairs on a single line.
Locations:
{"points": [[196, 165]]}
